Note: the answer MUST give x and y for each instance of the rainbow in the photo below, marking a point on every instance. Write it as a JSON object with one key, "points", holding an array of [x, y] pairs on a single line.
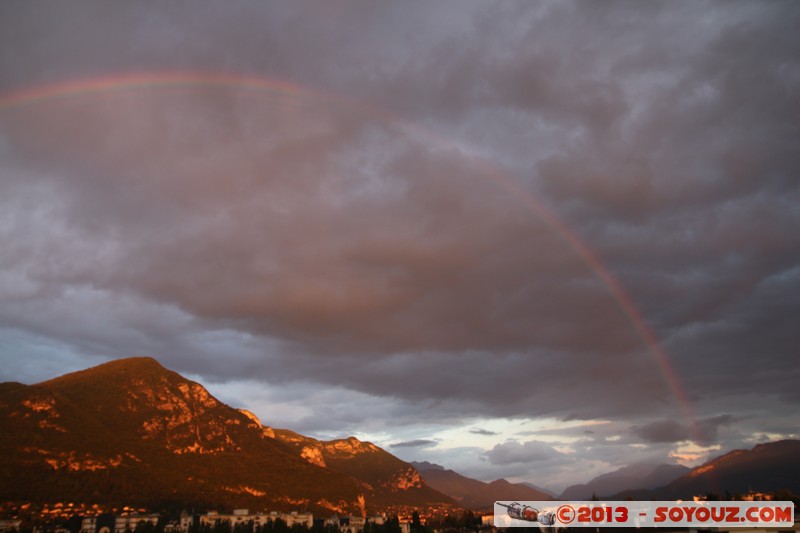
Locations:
{"points": [[144, 80], [160, 80]]}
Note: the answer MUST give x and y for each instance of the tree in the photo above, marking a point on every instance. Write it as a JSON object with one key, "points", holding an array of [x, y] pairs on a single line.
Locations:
{"points": [[416, 524], [144, 526], [392, 525], [222, 526]]}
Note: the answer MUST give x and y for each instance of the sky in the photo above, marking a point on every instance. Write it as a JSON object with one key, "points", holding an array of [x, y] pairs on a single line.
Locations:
{"points": [[530, 240]]}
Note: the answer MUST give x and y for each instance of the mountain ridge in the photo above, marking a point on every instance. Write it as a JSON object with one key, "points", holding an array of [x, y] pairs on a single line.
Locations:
{"points": [[473, 493], [767, 467], [131, 432], [630, 477]]}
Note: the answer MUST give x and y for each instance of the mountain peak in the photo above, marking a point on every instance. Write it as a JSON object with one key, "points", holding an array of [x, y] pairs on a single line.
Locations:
{"points": [[117, 368], [134, 362], [349, 447], [158, 404], [421, 466]]}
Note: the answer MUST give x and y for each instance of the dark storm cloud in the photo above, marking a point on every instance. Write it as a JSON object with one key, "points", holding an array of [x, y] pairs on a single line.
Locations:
{"points": [[704, 432], [663, 431], [319, 241]]}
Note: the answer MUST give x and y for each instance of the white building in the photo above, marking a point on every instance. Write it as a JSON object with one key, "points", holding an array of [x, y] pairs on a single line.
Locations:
{"points": [[186, 521], [353, 524], [120, 524], [242, 516], [10, 525], [129, 522]]}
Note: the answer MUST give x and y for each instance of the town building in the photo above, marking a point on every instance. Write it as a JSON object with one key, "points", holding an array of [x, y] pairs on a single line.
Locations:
{"points": [[106, 523], [243, 516], [9, 525], [129, 522], [354, 524]]}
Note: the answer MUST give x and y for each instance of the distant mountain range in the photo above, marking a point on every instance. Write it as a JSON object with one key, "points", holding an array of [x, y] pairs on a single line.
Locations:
{"points": [[766, 468], [632, 477], [131, 432], [472, 493]]}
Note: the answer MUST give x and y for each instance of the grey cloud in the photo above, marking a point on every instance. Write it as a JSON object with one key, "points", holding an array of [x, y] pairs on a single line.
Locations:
{"points": [[513, 452], [663, 431], [707, 431], [481, 431], [416, 443], [703, 432]]}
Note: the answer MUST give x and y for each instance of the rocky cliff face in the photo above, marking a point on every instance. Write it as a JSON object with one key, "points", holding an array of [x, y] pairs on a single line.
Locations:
{"points": [[406, 479], [346, 448], [377, 470]]}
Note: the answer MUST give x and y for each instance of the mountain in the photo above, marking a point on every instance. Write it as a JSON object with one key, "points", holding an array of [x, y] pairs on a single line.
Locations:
{"points": [[131, 432], [766, 468], [376, 468], [631, 477], [425, 465], [472, 493]]}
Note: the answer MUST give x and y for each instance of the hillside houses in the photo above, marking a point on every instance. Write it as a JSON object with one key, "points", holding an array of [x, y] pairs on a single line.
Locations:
{"points": [[345, 524], [129, 522]]}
